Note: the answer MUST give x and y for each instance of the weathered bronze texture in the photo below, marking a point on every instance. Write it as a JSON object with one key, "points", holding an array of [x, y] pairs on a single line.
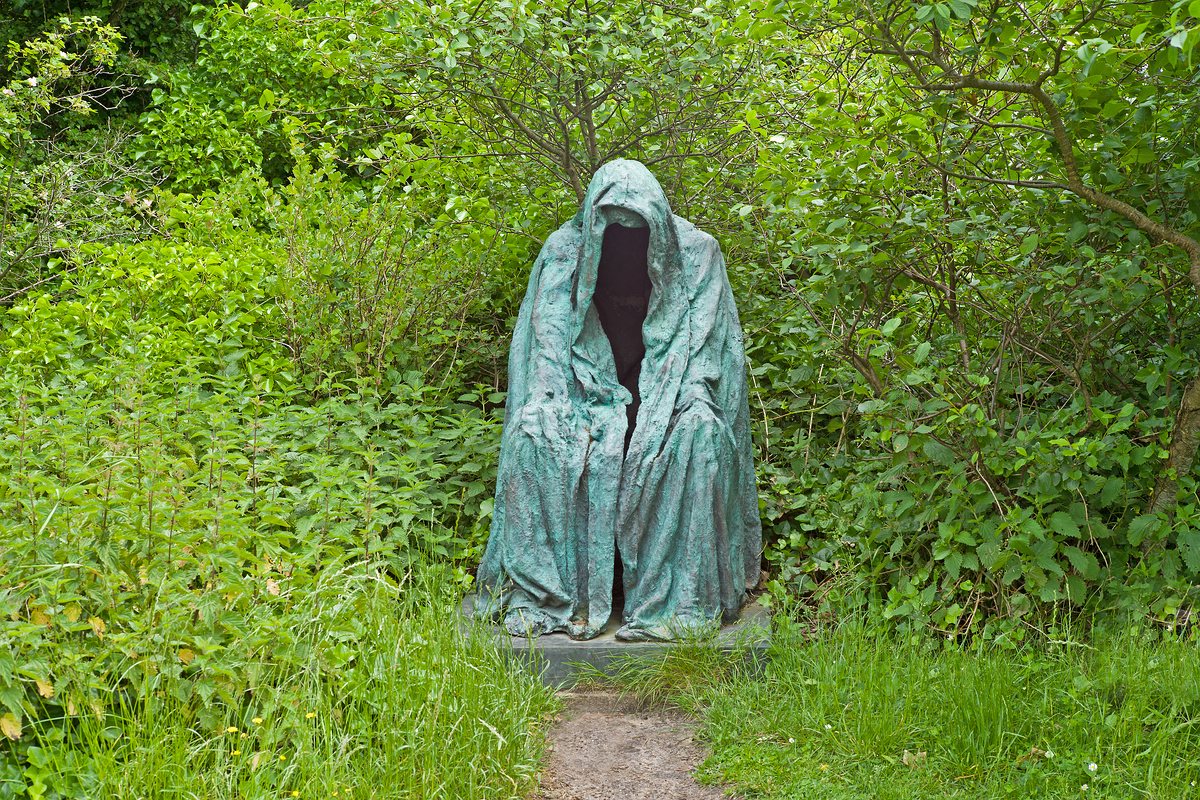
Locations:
{"points": [[626, 433]]}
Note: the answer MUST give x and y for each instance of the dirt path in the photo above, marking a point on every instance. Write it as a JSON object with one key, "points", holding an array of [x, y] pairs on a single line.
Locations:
{"points": [[606, 748]]}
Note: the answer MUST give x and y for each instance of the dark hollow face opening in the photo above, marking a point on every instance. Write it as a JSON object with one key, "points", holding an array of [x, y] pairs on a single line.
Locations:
{"points": [[622, 299]]}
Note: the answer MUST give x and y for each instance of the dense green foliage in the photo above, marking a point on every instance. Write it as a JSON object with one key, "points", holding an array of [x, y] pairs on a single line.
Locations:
{"points": [[1009, 358], [259, 263], [191, 541]]}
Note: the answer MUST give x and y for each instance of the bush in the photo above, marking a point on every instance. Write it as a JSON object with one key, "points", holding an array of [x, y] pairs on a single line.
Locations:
{"points": [[170, 509]]}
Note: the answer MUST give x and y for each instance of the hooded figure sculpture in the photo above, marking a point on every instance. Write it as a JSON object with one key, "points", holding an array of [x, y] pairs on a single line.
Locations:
{"points": [[626, 432]]}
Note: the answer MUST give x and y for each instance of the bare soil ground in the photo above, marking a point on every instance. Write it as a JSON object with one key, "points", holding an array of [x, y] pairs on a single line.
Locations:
{"points": [[609, 748]]}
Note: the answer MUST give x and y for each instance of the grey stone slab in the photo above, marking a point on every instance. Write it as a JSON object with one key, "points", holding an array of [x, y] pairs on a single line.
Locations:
{"points": [[556, 657]]}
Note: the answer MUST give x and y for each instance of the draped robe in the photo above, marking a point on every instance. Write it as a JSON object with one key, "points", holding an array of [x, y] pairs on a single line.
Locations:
{"points": [[620, 446]]}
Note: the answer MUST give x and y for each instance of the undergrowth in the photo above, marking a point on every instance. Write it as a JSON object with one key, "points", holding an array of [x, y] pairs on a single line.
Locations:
{"points": [[191, 541], [376, 692]]}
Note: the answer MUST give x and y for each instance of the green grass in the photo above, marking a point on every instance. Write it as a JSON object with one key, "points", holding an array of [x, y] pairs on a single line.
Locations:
{"points": [[834, 714], [383, 694]]}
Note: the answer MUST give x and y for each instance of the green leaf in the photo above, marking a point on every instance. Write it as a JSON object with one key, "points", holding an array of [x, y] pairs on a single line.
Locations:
{"points": [[1046, 561], [937, 452], [1029, 244], [990, 555], [922, 352], [1111, 491], [1064, 524], [1076, 589], [1189, 548], [961, 9], [900, 442], [1084, 563], [918, 377], [890, 326], [267, 98], [1143, 527]]}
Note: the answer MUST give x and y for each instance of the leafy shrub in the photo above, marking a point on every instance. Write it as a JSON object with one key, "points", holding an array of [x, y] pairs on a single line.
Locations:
{"points": [[158, 29], [380, 278], [193, 142], [65, 185], [927, 464], [167, 500]]}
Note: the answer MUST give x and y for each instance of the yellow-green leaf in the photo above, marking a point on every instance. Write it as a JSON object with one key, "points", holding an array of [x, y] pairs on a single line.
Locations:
{"points": [[10, 726]]}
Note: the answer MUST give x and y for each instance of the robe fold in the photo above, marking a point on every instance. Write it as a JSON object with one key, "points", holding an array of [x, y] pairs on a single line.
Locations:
{"points": [[620, 446]]}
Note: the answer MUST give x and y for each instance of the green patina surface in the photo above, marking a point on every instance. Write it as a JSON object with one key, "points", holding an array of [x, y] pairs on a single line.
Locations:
{"points": [[669, 486]]}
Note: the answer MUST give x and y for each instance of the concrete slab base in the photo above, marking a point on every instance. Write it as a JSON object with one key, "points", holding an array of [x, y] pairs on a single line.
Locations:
{"points": [[557, 658]]}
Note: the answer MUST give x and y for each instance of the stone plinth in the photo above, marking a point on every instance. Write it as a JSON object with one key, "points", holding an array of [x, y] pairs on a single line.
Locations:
{"points": [[556, 656]]}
